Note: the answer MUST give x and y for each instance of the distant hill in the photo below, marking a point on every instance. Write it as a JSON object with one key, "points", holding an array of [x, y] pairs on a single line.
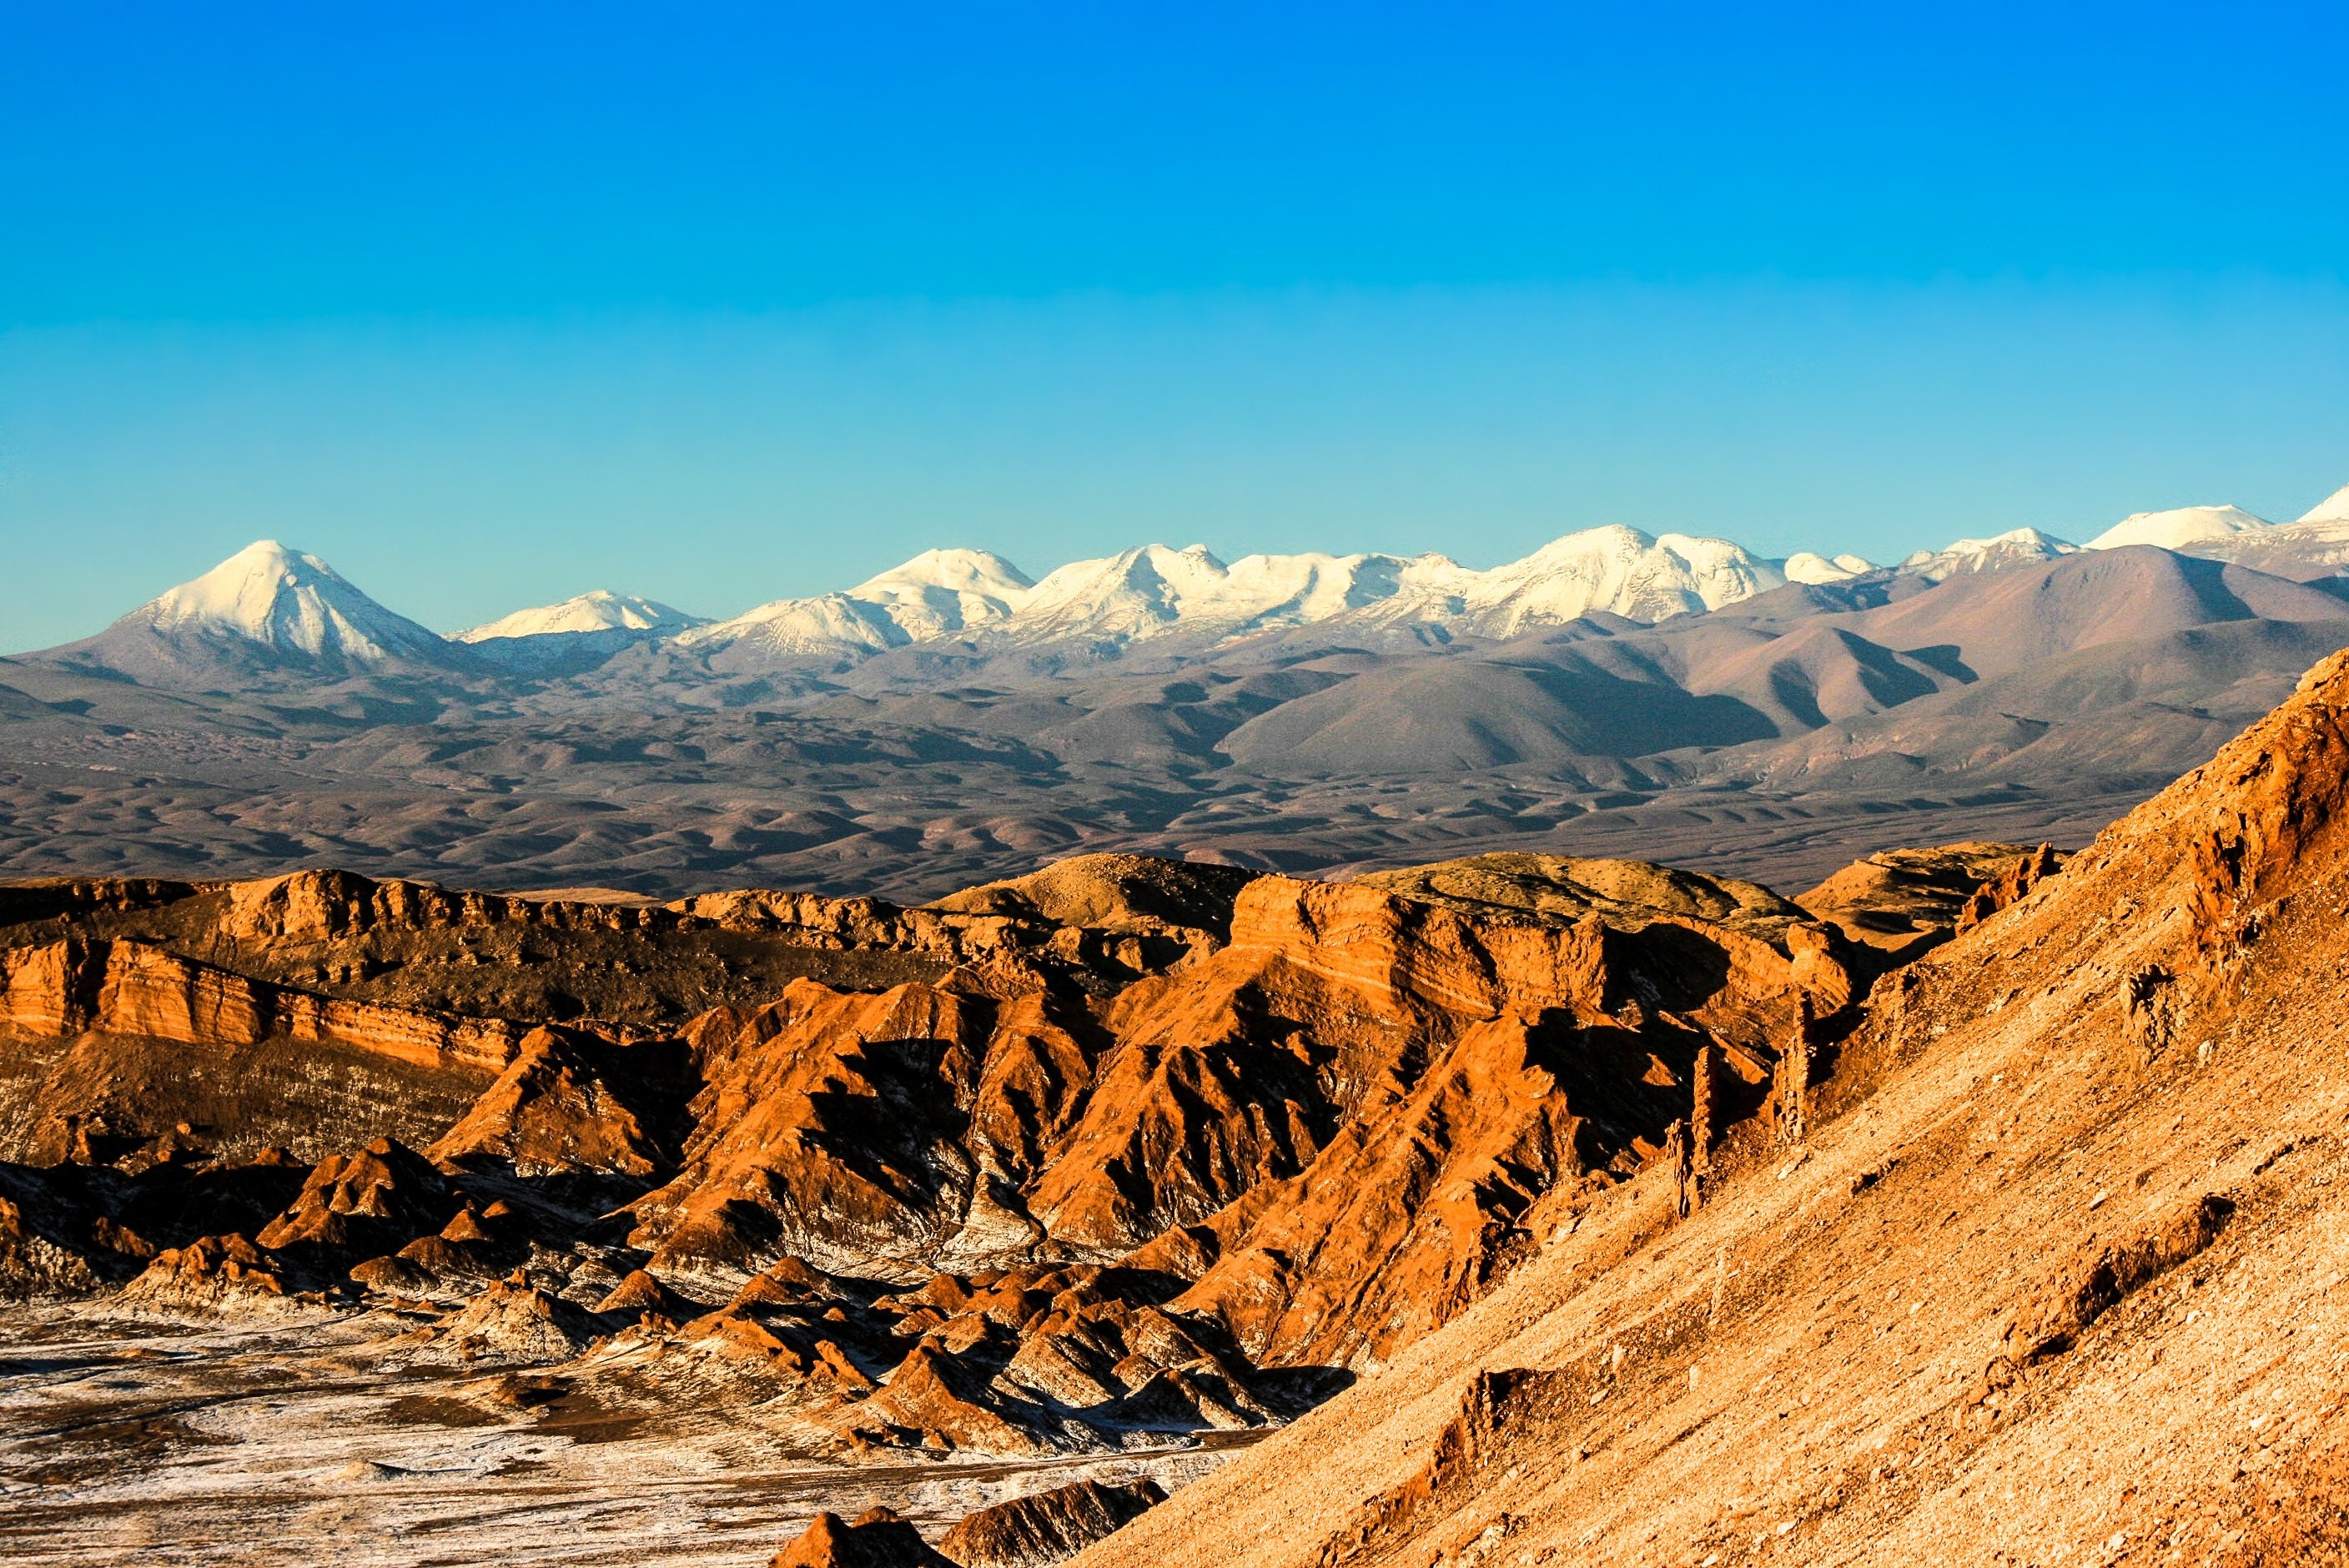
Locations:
{"points": [[950, 721]]}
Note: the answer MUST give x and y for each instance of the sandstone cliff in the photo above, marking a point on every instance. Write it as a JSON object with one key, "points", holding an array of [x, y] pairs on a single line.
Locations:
{"points": [[73, 987]]}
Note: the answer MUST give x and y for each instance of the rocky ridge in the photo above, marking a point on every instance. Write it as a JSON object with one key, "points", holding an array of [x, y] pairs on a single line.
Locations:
{"points": [[1115, 1155], [2045, 1265]]}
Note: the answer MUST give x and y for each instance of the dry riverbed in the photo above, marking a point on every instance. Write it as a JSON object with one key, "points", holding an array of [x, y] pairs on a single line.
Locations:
{"points": [[138, 1440]]}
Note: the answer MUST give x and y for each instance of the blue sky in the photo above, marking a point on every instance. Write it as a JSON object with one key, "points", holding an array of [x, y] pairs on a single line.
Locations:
{"points": [[721, 303]]}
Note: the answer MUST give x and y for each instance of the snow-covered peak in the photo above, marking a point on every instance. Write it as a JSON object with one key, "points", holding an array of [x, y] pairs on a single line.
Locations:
{"points": [[937, 594], [598, 611], [1805, 566], [1138, 592], [288, 603], [1154, 591], [980, 572], [940, 592], [2177, 527], [2015, 547], [2334, 508], [1616, 569]]}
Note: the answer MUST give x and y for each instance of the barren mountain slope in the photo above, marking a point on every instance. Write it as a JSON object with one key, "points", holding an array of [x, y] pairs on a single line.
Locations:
{"points": [[2048, 1268]]}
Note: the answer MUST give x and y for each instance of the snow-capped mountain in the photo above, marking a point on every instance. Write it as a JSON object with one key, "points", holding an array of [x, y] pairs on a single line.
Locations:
{"points": [[1140, 593], [1615, 569], [2015, 547], [288, 603], [2333, 509], [2178, 527], [2314, 544], [268, 607], [1804, 566], [599, 611], [1152, 592], [937, 594], [265, 607]]}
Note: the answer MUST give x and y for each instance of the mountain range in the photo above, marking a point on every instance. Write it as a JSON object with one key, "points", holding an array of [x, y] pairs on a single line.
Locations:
{"points": [[269, 603], [951, 721]]}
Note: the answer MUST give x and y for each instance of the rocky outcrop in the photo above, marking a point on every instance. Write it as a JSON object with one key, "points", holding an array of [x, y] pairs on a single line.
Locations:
{"points": [[858, 1132], [630, 966], [1306, 1148], [2264, 807], [360, 1205], [1162, 1149], [876, 1538], [2085, 1286], [2011, 887], [129, 988], [1562, 889], [1416, 1205], [1046, 1527], [316, 906], [1902, 903], [559, 1109], [1128, 913], [210, 1275], [513, 1320], [46, 899], [1503, 1414]]}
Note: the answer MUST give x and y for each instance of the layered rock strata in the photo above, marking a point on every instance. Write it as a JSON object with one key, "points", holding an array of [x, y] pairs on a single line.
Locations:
{"points": [[1135, 1151]]}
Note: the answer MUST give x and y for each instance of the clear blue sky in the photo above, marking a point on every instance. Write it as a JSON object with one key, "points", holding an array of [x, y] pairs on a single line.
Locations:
{"points": [[490, 306]]}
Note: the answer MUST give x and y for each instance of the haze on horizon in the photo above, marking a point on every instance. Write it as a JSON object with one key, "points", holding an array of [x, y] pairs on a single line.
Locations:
{"points": [[492, 312]]}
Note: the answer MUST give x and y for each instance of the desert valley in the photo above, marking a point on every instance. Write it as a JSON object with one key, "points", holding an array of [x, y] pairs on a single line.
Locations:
{"points": [[1198, 1064], [1302, 786]]}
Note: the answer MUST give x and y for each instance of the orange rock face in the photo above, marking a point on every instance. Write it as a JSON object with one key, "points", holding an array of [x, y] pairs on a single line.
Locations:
{"points": [[876, 1538], [1046, 1527], [1145, 1149], [557, 1108], [131, 989]]}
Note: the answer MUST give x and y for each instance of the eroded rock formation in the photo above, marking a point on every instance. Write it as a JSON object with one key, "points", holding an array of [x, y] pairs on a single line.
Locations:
{"points": [[1119, 1151], [1046, 1527], [876, 1539]]}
